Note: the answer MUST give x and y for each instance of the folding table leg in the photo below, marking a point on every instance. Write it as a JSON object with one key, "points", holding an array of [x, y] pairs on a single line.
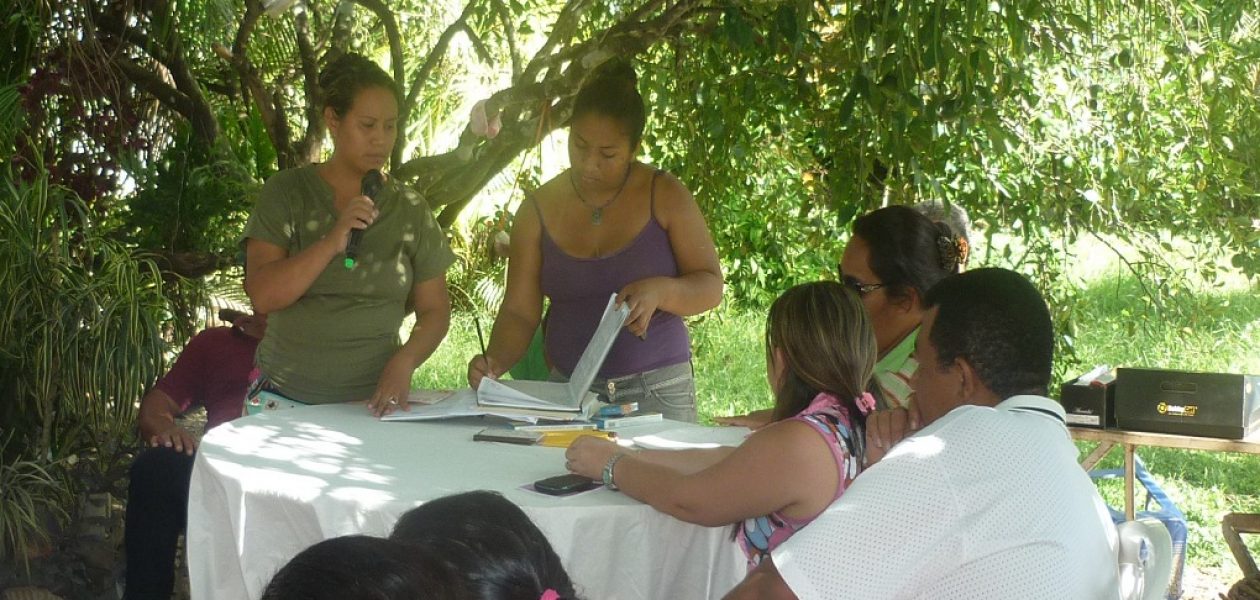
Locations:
{"points": [[1232, 526], [1100, 451], [1129, 469]]}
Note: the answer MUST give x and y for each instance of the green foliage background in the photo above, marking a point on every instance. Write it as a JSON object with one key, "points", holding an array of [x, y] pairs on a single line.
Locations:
{"points": [[1046, 120], [1128, 124], [80, 340]]}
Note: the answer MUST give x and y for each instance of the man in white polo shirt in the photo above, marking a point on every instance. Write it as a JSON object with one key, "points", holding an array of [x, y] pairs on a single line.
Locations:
{"points": [[987, 500]]}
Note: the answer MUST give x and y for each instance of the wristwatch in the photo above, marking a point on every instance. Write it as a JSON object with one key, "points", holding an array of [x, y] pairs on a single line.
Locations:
{"points": [[607, 474]]}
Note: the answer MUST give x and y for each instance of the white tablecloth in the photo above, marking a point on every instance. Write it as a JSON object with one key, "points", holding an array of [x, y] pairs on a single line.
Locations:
{"points": [[266, 487]]}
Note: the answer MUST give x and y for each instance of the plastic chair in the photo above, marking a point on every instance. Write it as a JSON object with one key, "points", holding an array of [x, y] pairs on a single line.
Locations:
{"points": [[1145, 559], [1166, 512]]}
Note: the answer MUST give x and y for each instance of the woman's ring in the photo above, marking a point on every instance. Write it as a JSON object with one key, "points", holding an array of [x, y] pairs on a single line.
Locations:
{"points": [[393, 401]]}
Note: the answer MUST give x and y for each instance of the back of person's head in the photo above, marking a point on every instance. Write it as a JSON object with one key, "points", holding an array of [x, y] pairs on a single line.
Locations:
{"points": [[488, 575], [908, 251], [612, 91], [827, 345], [360, 567], [996, 321], [348, 74], [514, 558]]}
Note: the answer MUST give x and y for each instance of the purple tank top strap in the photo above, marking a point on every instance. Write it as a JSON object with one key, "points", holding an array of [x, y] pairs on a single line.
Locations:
{"points": [[652, 195], [537, 211]]}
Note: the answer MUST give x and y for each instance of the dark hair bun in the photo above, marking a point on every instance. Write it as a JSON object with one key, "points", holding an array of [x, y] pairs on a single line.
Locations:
{"points": [[612, 90], [346, 75], [615, 71], [344, 65]]}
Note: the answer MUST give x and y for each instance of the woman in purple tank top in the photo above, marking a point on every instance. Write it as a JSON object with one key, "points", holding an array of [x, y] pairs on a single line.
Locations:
{"points": [[609, 224]]}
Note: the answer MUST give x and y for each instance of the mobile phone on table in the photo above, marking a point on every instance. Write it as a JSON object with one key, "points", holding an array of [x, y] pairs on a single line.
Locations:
{"points": [[563, 485]]}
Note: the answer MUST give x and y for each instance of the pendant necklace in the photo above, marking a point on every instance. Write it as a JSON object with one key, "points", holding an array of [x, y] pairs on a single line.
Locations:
{"points": [[597, 212]]}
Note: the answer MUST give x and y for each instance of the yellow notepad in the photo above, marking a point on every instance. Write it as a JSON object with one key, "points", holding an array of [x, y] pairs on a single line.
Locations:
{"points": [[562, 439]]}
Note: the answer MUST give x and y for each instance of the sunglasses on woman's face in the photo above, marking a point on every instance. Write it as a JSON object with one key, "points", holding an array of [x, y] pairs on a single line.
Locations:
{"points": [[862, 289]]}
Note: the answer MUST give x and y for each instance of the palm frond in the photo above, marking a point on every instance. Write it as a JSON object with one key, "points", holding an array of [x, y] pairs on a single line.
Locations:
{"points": [[11, 119]]}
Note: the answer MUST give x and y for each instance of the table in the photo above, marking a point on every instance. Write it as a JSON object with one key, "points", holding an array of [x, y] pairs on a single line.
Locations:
{"points": [[265, 487], [1130, 440]]}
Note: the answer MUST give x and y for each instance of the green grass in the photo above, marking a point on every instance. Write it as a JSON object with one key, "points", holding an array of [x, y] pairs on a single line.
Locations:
{"points": [[448, 366], [730, 362], [1210, 330]]}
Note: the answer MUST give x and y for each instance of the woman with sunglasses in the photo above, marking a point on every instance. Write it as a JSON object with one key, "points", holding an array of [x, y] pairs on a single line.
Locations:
{"points": [[894, 256]]}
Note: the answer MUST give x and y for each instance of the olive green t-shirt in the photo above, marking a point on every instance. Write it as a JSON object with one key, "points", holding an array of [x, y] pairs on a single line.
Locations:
{"points": [[332, 344]]}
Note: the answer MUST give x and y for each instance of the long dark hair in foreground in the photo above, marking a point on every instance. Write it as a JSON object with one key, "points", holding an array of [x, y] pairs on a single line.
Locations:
{"points": [[360, 567], [515, 558]]}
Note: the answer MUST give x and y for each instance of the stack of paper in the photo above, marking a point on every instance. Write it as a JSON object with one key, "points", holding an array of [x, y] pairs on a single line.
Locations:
{"points": [[641, 417], [533, 400], [462, 403], [537, 399]]}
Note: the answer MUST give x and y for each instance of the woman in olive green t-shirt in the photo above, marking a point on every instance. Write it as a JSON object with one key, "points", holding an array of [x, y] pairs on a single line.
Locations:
{"points": [[333, 330]]}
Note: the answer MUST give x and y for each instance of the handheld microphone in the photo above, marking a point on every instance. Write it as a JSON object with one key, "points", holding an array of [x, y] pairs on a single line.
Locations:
{"points": [[370, 187]]}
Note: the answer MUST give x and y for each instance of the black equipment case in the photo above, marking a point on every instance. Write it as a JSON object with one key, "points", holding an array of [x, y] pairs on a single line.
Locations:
{"points": [[1218, 405]]}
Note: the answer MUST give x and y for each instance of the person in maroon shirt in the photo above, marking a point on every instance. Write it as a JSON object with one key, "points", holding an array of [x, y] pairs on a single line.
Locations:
{"points": [[212, 372]]}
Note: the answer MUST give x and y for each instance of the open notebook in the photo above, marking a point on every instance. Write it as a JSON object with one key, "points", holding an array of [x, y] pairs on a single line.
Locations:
{"points": [[532, 400], [551, 395]]}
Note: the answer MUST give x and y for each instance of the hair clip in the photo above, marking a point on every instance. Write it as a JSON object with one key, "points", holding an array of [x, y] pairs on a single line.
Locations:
{"points": [[865, 403], [954, 251]]}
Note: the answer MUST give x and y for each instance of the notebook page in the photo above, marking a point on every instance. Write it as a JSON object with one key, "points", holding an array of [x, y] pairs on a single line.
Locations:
{"points": [[597, 349]]}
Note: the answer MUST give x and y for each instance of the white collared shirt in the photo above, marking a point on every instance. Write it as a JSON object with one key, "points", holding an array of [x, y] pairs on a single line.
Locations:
{"points": [[983, 503]]}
